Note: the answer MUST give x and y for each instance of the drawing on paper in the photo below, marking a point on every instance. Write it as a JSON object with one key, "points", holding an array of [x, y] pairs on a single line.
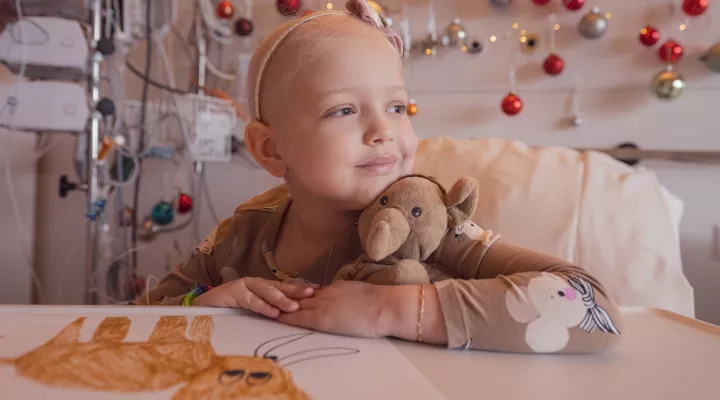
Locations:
{"points": [[168, 358]]}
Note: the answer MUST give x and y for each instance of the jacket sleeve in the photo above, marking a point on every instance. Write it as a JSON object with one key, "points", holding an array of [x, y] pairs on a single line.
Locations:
{"points": [[513, 299], [201, 267]]}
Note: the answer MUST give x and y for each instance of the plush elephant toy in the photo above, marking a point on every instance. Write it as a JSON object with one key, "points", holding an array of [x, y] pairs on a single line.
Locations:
{"points": [[404, 226]]}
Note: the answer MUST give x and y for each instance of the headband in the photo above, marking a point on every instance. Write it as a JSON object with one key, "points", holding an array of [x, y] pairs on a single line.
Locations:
{"points": [[356, 8]]}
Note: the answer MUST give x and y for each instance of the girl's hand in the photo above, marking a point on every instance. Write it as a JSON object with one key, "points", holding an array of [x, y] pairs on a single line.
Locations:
{"points": [[262, 296], [345, 307]]}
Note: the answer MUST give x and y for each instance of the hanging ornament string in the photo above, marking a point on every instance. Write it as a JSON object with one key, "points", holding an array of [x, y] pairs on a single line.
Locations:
{"points": [[576, 119], [687, 13], [511, 104], [512, 75], [412, 107], [244, 25], [554, 64], [432, 22], [405, 32], [553, 28]]}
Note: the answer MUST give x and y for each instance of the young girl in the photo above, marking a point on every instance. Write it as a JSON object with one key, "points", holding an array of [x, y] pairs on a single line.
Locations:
{"points": [[330, 118]]}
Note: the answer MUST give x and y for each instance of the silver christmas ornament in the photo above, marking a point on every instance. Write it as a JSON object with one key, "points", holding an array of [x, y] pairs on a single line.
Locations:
{"points": [[711, 58], [593, 25], [500, 3], [576, 120], [455, 34], [667, 84]]}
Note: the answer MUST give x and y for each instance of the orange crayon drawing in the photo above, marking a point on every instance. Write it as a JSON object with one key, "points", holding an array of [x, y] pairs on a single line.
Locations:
{"points": [[168, 358]]}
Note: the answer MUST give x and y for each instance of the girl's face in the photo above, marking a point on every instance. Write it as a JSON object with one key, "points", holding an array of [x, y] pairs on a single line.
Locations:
{"points": [[344, 133]]}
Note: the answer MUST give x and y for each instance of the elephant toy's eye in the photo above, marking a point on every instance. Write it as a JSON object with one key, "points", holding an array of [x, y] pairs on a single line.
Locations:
{"points": [[416, 211], [383, 200], [561, 293]]}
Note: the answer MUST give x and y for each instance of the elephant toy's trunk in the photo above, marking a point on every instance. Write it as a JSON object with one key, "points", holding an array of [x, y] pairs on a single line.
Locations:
{"points": [[388, 231]]}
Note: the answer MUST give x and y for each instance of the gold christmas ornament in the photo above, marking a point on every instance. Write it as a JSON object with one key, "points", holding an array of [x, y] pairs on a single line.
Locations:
{"points": [[377, 7], [147, 231], [412, 108], [382, 10], [667, 84], [455, 34], [429, 46], [529, 42]]}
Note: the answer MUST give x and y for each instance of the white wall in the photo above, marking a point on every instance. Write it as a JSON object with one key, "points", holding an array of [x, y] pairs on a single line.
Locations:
{"points": [[17, 221], [17, 230], [459, 96]]}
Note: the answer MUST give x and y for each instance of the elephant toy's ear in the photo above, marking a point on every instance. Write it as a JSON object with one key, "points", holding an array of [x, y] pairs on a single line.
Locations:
{"points": [[461, 201]]}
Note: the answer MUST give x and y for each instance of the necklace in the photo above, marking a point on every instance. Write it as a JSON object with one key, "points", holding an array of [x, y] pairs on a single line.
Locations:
{"points": [[332, 247]]}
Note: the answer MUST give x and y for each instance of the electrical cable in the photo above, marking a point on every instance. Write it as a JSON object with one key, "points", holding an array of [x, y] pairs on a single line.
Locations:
{"points": [[141, 141], [152, 82], [184, 42]]}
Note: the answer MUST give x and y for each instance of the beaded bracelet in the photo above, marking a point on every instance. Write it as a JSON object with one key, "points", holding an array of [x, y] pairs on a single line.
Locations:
{"points": [[196, 291]]}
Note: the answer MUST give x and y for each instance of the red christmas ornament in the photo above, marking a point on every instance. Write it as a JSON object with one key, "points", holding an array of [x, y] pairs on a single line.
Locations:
{"points": [[540, 2], [243, 27], [288, 8], [553, 65], [649, 35], [184, 203], [695, 8], [574, 5], [136, 285], [671, 51], [511, 104], [224, 9]]}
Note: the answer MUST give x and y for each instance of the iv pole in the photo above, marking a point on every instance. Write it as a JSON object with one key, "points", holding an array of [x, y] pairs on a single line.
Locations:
{"points": [[202, 54], [92, 158]]}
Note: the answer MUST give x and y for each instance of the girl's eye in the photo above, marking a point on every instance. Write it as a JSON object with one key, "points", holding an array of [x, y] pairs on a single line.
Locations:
{"points": [[342, 112], [400, 109]]}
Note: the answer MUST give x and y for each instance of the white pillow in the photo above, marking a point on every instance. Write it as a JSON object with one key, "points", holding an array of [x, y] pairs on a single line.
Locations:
{"points": [[616, 221]]}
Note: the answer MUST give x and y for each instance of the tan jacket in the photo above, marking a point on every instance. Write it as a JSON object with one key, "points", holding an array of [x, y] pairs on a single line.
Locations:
{"points": [[493, 295]]}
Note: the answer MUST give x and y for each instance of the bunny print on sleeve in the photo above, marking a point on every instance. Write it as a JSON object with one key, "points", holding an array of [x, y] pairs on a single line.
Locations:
{"points": [[514, 299], [551, 306]]}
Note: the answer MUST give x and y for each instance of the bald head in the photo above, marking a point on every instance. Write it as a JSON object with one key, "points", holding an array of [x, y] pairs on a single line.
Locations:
{"points": [[306, 50]]}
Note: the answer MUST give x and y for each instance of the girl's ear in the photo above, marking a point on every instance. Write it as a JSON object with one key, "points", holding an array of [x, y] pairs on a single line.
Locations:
{"points": [[261, 142]]}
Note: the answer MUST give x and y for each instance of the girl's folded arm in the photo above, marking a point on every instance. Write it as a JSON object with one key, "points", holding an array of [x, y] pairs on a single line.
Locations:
{"points": [[510, 298], [200, 268]]}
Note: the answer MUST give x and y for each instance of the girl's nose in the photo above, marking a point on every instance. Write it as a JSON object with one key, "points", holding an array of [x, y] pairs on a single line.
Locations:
{"points": [[378, 130]]}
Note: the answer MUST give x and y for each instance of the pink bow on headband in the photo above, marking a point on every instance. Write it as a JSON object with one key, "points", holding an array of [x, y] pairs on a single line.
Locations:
{"points": [[364, 11]]}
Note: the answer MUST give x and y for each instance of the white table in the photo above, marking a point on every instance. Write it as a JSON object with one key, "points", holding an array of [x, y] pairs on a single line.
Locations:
{"points": [[663, 356]]}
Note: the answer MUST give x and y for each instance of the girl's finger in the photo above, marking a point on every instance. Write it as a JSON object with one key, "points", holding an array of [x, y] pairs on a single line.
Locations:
{"points": [[258, 305], [294, 291], [272, 295]]}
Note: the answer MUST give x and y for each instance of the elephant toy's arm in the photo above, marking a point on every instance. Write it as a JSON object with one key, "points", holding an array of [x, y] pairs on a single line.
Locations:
{"points": [[347, 272], [402, 272]]}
